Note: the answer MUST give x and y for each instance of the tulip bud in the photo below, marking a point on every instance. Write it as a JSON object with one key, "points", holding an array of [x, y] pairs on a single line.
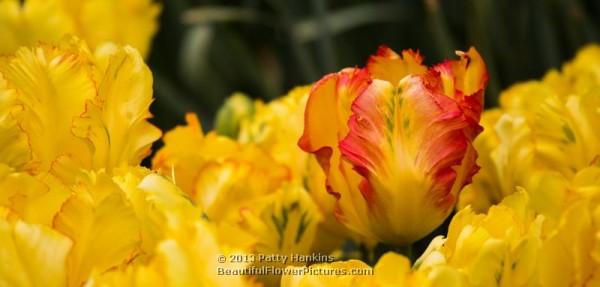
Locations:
{"points": [[229, 117]]}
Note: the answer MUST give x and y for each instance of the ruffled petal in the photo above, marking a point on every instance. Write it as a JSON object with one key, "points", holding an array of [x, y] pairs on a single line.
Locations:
{"points": [[15, 149], [52, 85], [388, 66], [116, 121], [93, 217]]}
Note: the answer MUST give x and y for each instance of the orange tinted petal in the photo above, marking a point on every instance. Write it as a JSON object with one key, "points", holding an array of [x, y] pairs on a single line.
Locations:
{"points": [[388, 66]]}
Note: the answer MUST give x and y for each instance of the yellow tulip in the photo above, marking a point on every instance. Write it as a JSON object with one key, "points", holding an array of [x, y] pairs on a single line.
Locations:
{"points": [[217, 172], [114, 218], [182, 248], [545, 237], [125, 22], [73, 106], [500, 248], [395, 141]]}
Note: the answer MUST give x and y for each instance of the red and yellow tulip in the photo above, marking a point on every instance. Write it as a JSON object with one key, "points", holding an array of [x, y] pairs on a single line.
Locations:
{"points": [[395, 140]]}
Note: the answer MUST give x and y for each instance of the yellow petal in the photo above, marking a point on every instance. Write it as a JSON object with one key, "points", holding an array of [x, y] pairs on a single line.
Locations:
{"points": [[34, 200], [153, 199], [115, 122], [52, 85], [223, 188], [15, 150], [189, 258], [179, 158], [32, 255], [388, 66], [287, 221], [392, 270], [102, 225]]}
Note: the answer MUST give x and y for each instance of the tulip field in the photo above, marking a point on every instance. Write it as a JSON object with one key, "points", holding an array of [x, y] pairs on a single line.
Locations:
{"points": [[335, 183]]}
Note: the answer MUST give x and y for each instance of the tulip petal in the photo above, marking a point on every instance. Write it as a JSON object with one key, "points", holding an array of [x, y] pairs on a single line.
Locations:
{"points": [[328, 109], [115, 122], [32, 255], [325, 124], [388, 66], [15, 151], [93, 217], [52, 85]]}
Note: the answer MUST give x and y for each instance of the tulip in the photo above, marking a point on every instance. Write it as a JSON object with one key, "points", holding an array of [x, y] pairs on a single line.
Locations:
{"points": [[500, 248], [395, 141]]}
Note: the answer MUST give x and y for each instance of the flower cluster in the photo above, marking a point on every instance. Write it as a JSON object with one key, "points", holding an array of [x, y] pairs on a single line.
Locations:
{"points": [[365, 157]]}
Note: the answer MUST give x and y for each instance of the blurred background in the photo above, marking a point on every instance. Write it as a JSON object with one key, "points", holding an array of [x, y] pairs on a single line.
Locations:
{"points": [[206, 50]]}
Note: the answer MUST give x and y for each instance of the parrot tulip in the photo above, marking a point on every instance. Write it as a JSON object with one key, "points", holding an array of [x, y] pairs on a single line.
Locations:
{"points": [[395, 141]]}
